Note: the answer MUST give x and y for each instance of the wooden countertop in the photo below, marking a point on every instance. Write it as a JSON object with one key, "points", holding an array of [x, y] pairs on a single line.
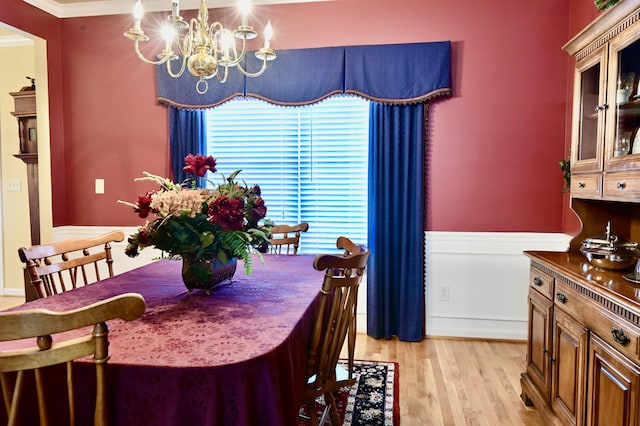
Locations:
{"points": [[576, 267]]}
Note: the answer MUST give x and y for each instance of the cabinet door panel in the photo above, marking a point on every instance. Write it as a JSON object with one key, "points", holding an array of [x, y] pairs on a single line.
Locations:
{"points": [[589, 106], [622, 151], [570, 340], [539, 342], [614, 386]]}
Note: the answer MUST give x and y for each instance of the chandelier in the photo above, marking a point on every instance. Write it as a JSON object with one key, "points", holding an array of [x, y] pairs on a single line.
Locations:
{"points": [[206, 50]]}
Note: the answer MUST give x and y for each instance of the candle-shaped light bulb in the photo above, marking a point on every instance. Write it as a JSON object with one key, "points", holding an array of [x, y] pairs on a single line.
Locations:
{"points": [[137, 15], [227, 41], [245, 8], [268, 34], [175, 7], [168, 33]]}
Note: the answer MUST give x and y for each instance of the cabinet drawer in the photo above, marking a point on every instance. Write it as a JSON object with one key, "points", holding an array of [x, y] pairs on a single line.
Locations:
{"points": [[618, 333], [586, 185], [624, 186], [542, 282]]}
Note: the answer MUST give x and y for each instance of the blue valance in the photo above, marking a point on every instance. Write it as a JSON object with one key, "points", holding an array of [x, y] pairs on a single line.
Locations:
{"points": [[390, 74]]}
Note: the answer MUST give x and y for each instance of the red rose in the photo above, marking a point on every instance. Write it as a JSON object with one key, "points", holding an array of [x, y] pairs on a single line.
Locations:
{"points": [[199, 165], [144, 204]]}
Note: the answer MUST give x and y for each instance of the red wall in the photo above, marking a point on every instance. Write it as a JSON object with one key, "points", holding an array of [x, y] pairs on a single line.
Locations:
{"points": [[493, 146]]}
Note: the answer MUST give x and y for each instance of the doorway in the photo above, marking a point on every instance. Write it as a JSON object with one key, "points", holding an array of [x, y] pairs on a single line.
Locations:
{"points": [[22, 55]]}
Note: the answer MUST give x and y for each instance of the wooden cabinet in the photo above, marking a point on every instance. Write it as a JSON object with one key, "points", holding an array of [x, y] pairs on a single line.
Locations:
{"points": [[589, 109], [614, 384], [568, 367], [583, 356], [539, 342], [606, 106]]}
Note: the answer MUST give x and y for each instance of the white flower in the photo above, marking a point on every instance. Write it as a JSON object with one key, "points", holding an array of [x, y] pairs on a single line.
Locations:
{"points": [[185, 201]]}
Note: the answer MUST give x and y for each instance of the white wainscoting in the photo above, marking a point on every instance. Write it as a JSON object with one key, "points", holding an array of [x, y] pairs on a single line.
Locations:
{"points": [[486, 276]]}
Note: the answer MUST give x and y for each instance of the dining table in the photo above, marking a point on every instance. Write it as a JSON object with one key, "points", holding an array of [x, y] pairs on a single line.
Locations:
{"points": [[236, 356]]}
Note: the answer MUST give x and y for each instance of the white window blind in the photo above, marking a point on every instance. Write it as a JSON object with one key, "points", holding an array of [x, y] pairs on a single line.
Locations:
{"points": [[310, 162]]}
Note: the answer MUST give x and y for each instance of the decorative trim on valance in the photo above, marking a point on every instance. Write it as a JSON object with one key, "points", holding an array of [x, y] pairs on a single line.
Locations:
{"points": [[399, 74]]}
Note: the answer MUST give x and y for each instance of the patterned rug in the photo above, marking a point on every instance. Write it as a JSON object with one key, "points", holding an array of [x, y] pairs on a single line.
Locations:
{"points": [[373, 400]]}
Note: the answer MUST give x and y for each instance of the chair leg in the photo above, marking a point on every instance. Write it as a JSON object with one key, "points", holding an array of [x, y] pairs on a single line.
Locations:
{"points": [[324, 417], [332, 408], [7, 391], [310, 416]]}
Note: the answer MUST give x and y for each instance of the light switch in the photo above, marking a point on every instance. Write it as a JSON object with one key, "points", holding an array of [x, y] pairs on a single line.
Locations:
{"points": [[99, 186], [14, 185]]}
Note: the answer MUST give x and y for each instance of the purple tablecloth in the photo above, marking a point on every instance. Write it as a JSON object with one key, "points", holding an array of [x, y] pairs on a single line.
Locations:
{"points": [[236, 357]]}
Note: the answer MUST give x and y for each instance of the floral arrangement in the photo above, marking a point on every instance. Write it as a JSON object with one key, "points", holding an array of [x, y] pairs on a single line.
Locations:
{"points": [[195, 223]]}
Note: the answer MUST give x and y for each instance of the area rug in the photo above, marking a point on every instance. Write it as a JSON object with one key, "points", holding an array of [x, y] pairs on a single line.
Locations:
{"points": [[373, 399]]}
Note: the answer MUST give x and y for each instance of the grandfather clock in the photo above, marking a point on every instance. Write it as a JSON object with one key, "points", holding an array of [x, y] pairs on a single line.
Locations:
{"points": [[25, 112]]}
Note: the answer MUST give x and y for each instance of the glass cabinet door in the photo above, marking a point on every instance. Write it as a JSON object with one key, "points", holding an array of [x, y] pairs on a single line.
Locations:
{"points": [[589, 113], [623, 118]]}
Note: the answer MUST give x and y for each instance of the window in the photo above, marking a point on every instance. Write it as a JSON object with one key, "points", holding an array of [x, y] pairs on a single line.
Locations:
{"points": [[310, 162]]}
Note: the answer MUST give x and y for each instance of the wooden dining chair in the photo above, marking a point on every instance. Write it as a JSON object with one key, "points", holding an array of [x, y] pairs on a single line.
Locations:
{"points": [[65, 265], [335, 320], [50, 348], [287, 236]]}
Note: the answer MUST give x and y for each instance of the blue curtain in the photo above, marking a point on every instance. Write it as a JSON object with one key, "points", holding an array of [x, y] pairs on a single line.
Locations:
{"points": [[399, 79], [395, 290], [187, 135]]}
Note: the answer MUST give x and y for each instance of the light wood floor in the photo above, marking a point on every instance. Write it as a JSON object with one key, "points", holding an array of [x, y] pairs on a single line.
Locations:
{"points": [[455, 382], [450, 382]]}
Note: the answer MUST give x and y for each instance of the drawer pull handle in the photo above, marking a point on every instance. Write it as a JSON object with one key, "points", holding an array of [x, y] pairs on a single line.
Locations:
{"points": [[619, 336], [582, 185], [620, 185], [601, 107], [562, 298], [537, 281]]}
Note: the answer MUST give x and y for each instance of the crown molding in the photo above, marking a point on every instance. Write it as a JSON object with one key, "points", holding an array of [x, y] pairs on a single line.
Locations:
{"points": [[117, 7], [15, 40]]}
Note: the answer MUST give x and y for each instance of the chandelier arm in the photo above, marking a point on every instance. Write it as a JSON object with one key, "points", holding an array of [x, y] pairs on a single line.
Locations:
{"points": [[141, 56], [214, 28], [226, 75], [182, 46], [255, 74], [182, 67], [243, 53], [189, 41]]}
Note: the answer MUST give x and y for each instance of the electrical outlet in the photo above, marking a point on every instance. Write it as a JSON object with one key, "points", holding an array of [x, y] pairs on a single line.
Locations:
{"points": [[443, 293], [14, 185]]}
